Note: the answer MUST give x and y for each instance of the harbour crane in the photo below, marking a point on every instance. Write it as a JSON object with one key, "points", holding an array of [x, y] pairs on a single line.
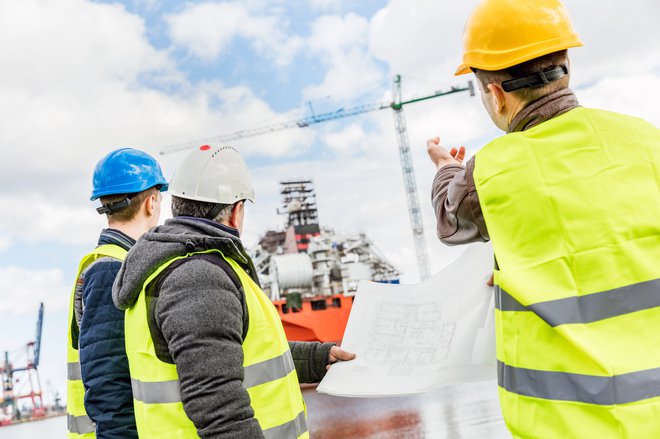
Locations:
{"points": [[405, 156], [8, 371]]}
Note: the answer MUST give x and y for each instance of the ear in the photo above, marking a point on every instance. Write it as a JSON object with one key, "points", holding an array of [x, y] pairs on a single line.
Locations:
{"points": [[150, 204], [498, 95], [234, 218]]}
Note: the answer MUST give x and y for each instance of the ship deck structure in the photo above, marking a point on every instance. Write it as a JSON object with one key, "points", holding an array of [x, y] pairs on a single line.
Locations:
{"points": [[310, 272]]}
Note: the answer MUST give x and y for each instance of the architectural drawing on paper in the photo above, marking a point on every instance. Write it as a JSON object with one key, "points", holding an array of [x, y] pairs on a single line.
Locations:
{"points": [[411, 334]]}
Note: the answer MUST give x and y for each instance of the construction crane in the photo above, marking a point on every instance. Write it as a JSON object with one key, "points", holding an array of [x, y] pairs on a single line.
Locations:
{"points": [[9, 380], [405, 155]]}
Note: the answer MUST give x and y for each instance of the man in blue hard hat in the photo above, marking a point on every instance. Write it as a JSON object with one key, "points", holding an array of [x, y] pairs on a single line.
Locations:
{"points": [[128, 183]]}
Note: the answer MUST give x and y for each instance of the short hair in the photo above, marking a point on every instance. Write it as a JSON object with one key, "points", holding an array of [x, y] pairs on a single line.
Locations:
{"points": [[199, 209], [130, 211], [528, 95]]}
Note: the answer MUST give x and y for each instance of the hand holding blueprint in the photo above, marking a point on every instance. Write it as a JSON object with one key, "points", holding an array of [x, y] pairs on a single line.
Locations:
{"points": [[410, 338]]}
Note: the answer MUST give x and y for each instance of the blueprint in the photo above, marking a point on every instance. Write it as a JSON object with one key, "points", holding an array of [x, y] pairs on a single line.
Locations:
{"points": [[410, 338]]}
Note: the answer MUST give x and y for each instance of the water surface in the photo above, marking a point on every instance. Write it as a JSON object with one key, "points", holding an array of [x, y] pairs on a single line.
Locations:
{"points": [[467, 411]]}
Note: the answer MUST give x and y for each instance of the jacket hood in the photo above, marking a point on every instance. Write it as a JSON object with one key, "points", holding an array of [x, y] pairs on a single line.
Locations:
{"points": [[177, 237]]}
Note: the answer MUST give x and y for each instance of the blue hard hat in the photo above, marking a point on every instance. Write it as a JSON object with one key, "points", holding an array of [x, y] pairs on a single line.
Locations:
{"points": [[126, 171]]}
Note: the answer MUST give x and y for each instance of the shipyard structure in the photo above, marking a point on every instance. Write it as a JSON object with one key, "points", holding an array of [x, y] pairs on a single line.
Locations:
{"points": [[310, 272], [22, 397]]}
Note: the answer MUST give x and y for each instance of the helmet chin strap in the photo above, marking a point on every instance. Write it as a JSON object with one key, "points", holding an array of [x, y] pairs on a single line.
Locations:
{"points": [[537, 79], [215, 210], [114, 207]]}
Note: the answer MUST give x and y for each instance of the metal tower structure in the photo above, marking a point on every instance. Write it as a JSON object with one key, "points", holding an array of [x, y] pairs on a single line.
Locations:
{"points": [[33, 350], [409, 181], [404, 149], [298, 202], [8, 386]]}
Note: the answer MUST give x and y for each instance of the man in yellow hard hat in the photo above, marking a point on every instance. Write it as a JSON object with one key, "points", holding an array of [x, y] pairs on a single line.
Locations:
{"points": [[570, 198]]}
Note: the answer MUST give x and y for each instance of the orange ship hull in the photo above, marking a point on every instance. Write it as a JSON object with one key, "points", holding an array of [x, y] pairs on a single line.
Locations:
{"points": [[320, 319]]}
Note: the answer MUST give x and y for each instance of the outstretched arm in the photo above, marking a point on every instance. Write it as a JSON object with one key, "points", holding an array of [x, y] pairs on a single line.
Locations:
{"points": [[454, 196]]}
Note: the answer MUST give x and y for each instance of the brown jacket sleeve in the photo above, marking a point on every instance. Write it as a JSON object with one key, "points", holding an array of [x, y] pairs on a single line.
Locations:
{"points": [[456, 205]]}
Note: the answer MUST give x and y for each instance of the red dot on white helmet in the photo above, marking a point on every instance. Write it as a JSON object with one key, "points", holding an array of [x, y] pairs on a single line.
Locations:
{"points": [[204, 147]]}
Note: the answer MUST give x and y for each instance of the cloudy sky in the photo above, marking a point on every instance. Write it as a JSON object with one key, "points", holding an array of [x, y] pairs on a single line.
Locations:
{"points": [[80, 78]]}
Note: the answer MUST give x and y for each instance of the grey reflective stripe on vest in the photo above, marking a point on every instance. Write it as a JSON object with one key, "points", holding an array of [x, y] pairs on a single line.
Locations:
{"points": [[79, 424], [73, 371], [156, 392], [269, 370], [505, 302], [291, 429], [588, 308], [163, 392], [591, 389]]}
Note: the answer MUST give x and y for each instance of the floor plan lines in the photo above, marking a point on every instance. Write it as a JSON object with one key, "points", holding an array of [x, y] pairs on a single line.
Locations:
{"points": [[413, 334]]}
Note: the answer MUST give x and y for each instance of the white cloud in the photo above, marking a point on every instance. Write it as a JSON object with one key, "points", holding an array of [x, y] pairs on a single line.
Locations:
{"points": [[614, 94], [347, 141], [147, 5], [101, 42], [24, 289], [36, 218], [341, 44], [420, 38], [192, 120], [325, 4], [5, 241], [207, 29], [70, 79], [335, 34], [622, 41], [81, 79], [84, 91]]}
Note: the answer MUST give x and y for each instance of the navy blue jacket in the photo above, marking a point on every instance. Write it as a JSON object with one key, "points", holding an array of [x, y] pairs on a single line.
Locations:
{"points": [[103, 361]]}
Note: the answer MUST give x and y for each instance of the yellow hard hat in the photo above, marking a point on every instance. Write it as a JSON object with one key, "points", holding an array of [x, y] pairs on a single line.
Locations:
{"points": [[503, 33]]}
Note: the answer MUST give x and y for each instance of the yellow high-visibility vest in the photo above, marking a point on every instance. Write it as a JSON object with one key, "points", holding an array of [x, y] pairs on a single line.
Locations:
{"points": [[78, 423], [572, 207], [270, 376]]}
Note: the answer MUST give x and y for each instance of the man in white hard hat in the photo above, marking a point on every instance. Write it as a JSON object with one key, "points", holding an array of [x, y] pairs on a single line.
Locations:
{"points": [[570, 198], [206, 348]]}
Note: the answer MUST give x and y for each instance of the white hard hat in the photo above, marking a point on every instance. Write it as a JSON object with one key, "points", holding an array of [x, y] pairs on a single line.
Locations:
{"points": [[212, 175]]}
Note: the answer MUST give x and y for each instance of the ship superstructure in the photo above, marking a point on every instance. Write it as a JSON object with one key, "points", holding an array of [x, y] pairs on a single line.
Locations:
{"points": [[310, 272]]}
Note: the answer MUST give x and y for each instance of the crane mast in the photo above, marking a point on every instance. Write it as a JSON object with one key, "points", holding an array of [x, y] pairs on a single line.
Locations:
{"points": [[409, 181]]}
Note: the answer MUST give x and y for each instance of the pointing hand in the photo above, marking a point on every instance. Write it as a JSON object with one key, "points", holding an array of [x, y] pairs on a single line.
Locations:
{"points": [[441, 157]]}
